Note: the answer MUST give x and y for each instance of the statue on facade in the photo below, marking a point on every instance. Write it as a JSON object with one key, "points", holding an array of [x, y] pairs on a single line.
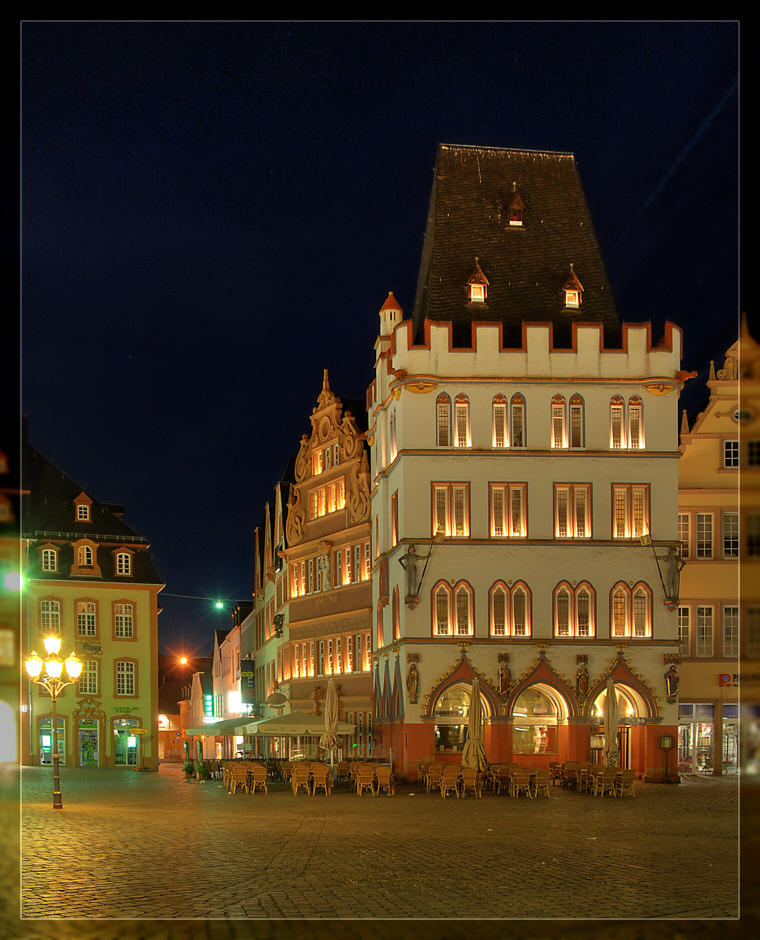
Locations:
{"points": [[412, 681], [505, 678], [673, 565], [323, 572], [581, 681], [408, 562]]}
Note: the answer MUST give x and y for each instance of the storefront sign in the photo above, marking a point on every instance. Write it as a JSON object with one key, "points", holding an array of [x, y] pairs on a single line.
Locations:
{"points": [[247, 685], [724, 679]]}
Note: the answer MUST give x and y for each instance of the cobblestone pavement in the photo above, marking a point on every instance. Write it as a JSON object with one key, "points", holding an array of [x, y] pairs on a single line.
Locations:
{"points": [[136, 855]]}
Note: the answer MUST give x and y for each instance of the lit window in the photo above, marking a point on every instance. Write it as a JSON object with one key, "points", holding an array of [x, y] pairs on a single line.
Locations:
{"points": [[84, 556], [508, 510], [83, 512], [451, 509], [87, 624], [126, 672], [730, 534], [509, 609], [462, 421], [626, 434], [577, 422], [559, 422], [572, 510], [394, 519], [684, 630], [517, 421], [499, 421], [392, 435], [572, 290], [123, 621], [635, 424], [730, 632], [631, 610], [617, 423], [478, 293], [443, 421], [730, 453], [452, 609], [704, 535], [684, 529], [630, 504], [50, 616], [574, 610], [327, 499], [88, 681], [572, 298], [477, 285], [49, 559], [123, 563], [704, 631]]}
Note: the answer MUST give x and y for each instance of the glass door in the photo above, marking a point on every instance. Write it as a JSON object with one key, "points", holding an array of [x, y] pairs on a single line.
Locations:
{"points": [[88, 743], [46, 741], [126, 744]]}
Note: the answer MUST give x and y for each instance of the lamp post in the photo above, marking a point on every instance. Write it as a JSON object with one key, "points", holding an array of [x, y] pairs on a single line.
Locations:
{"points": [[47, 673]]}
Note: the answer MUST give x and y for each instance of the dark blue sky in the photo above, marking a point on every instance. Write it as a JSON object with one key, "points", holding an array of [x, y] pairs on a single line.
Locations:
{"points": [[213, 213]]}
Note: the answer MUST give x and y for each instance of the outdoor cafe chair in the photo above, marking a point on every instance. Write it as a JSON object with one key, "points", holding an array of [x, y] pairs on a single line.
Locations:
{"points": [[238, 778], [605, 781], [301, 778], [344, 771], [583, 776], [287, 770], [555, 770], [422, 769], [385, 779], [320, 777], [624, 782], [569, 774], [259, 777], [593, 775], [450, 780], [540, 781], [471, 780], [503, 778], [434, 774], [365, 779], [520, 780]]}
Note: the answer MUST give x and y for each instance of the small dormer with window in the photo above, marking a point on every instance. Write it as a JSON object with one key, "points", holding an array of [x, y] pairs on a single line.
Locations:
{"points": [[572, 291], [85, 558], [514, 209], [83, 508], [477, 286], [123, 562]]}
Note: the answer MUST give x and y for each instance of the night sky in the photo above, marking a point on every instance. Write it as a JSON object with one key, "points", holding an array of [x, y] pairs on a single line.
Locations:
{"points": [[213, 213]]}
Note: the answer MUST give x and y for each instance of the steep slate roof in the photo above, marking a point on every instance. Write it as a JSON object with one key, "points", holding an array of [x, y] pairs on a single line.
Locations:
{"points": [[526, 266], [48, 514]]}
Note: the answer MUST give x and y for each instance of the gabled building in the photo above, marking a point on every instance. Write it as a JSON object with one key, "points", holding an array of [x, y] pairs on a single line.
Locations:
{"points": [[709, 532], [524, 447], [312, 578], [89, 578]]}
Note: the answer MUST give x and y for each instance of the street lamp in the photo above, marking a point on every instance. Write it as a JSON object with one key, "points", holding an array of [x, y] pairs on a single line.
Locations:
{"points": [[47, 673]]}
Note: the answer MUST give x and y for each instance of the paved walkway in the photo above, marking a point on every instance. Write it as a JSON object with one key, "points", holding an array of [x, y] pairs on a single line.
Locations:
{"points": [[151, 846]]}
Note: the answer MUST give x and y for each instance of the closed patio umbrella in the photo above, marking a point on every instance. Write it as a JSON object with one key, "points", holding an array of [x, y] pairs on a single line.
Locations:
{"points": [[330, 739], [611, 722], [474, 752]]}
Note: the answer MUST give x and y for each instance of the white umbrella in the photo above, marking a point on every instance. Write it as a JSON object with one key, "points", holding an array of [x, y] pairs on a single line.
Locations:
{"points": [[330, 738], [474, 752], [298, 722], [611, 722]]}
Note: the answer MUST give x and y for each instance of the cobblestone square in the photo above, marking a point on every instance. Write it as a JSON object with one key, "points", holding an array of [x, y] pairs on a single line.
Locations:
{"points": [[186, 856]]}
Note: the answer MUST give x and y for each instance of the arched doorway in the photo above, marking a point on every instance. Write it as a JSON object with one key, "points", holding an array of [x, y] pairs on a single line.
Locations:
{"points": [[537, 713], [632, 711], [451, 713]]}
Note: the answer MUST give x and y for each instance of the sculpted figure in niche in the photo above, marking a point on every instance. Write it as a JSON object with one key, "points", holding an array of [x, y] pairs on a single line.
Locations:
{"points": [[408, 562], [412, 680], [671, 682]]}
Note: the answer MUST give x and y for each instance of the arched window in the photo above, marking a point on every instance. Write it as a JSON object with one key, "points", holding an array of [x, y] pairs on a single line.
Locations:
{"points": [[617, 423], [87, 620], [559, 422], [574, 609], [443, 421], [517, 421], [577, 429], [534, 719], [451, 713], [509, 609], [452, 609], [635, 423], [631, 610], [123, 563], [462, 421], [499, 422], [84, 556]]}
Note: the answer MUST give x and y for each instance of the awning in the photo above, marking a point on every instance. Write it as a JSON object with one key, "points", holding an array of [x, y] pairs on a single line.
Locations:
{"points": [[227, 726]]}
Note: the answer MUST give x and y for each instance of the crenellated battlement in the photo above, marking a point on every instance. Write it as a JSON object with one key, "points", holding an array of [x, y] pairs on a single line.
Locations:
{"points": [[587, 358]]}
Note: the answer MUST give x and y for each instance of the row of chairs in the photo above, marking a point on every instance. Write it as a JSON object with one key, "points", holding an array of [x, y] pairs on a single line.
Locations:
{"points": [[449, 778], [597, 779], [377, 778], [245, 774]]}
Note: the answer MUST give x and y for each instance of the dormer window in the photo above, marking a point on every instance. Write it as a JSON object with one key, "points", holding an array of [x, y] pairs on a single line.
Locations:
{"points": [[82, 507], [477, 286], [514, 208], [572, 290]]}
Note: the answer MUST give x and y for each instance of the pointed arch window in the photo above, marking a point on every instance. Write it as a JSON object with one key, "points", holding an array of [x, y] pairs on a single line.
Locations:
{"points": [[617, 423], [626, 424], [509, 609], [577, 422], [500, 437], [517, 421], [462, 421], [452, 609], [574, 610], [631, 610], [559, 422], [635, 423], [443, 421]]}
